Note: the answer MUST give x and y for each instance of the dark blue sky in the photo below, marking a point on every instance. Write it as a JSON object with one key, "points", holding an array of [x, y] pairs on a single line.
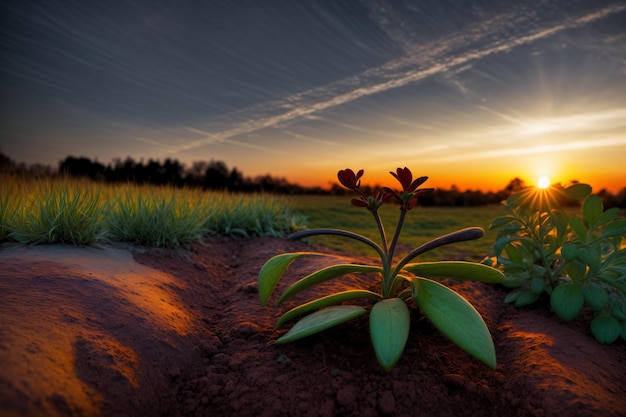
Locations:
{"points": [[472, 93]]}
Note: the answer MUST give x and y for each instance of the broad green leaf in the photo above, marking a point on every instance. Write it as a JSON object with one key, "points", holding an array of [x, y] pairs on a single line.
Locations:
{"points": [[389, 330], [595, 296], [579, 227], [592, 209], [576, 270], [456, 318], [616, 228], [590, 256], [512, 296], [329, 300], [321, 320], [514, 253], [567, 301], [469, 271], [526, 298], [608, 215], [578, 191], [569, 251], [501, 242], [501, 221], [537, 284], [324, 275], [273, 270], [605, 329]]}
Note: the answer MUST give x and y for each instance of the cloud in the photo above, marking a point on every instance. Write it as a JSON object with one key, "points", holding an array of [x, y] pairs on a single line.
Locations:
{"points": [[533, 150], [440, 57]]}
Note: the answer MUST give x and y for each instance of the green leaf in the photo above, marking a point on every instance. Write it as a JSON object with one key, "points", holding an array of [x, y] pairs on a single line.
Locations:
{"points": [[389, 330], [326, 301], [595, 296], [579, 227], [590, 256], [616, 228], [567, 301], [576, 270], [512, 296], [456, 318], [514, 253], [526, 298], [592, 209], [608, 215], [569, 251], [537, 284], [321, 320], [501, 221], [324, 275], [578, 191], [560, 220], [468, 271], [273, 270], [605, 329]]}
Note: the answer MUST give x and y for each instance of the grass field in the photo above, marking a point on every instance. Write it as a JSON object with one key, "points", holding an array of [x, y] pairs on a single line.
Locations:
{"points": [[83, 212], [421, 225]]}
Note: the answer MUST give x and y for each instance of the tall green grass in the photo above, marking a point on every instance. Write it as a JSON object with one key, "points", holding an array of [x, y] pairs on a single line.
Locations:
{"points": [[82, 212]]}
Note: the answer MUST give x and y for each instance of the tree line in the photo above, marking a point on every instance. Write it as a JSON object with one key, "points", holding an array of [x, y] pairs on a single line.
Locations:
{"points": [[216, 175]]}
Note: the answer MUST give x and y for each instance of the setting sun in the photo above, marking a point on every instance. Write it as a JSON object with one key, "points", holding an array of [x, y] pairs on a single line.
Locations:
{"points": [[544, 182]]}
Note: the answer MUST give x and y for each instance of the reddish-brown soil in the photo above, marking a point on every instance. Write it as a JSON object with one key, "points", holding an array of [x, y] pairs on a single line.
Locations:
{"points": [[126, 331]]}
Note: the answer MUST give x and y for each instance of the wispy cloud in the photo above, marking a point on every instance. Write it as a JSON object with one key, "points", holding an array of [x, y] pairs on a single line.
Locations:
{"points": [[458, 51], [533, 150]]}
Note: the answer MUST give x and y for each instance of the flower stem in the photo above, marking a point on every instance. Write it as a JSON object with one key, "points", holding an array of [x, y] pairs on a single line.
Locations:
{"points": [[381, 230], [396, 235]]}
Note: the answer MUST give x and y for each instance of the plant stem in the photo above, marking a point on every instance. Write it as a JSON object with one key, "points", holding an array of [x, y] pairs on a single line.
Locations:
{"points": [[396, 235], [385, 257], [381, 230]]}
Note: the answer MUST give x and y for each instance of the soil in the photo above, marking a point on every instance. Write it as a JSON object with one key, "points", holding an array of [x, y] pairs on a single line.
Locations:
{"points": [[127, 331]]}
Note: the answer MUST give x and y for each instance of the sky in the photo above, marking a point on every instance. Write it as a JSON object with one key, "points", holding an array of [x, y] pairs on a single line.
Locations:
{"points": [[471, 94]]}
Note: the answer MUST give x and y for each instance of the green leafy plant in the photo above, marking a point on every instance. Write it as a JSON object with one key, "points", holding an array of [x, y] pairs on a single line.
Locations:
{"points": [[389, 318], [576, 260]]}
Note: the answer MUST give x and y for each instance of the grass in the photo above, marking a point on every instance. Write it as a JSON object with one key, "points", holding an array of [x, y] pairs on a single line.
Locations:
{"points": [[82, 212], [421, 225]]}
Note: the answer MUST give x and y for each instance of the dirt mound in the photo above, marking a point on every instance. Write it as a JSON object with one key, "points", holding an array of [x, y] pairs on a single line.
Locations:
{"points": [[114, 331]]}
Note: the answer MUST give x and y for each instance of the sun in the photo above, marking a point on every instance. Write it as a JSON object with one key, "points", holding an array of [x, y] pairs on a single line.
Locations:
{"points": [[543, 182]]}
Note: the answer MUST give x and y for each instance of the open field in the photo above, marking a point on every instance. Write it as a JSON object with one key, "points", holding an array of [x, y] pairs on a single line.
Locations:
{"points": [[421, 225], [83, 212]]}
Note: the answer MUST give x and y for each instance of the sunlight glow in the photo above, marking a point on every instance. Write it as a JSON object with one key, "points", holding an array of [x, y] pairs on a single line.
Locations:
{"points": [[543, 182]]}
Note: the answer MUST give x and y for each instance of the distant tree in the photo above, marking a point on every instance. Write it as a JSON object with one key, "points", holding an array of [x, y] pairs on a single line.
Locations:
{"points": [[82, 167], [514, 186], [197, 171], [216, 176], [6, 163]]}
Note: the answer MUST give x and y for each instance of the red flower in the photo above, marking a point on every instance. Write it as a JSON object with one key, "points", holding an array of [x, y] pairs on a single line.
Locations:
{"points": [[349, 180], [405, 177], [408, 198]]}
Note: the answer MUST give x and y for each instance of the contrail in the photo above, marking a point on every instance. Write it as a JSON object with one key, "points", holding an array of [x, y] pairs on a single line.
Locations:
{"points": [[436, 64]]}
